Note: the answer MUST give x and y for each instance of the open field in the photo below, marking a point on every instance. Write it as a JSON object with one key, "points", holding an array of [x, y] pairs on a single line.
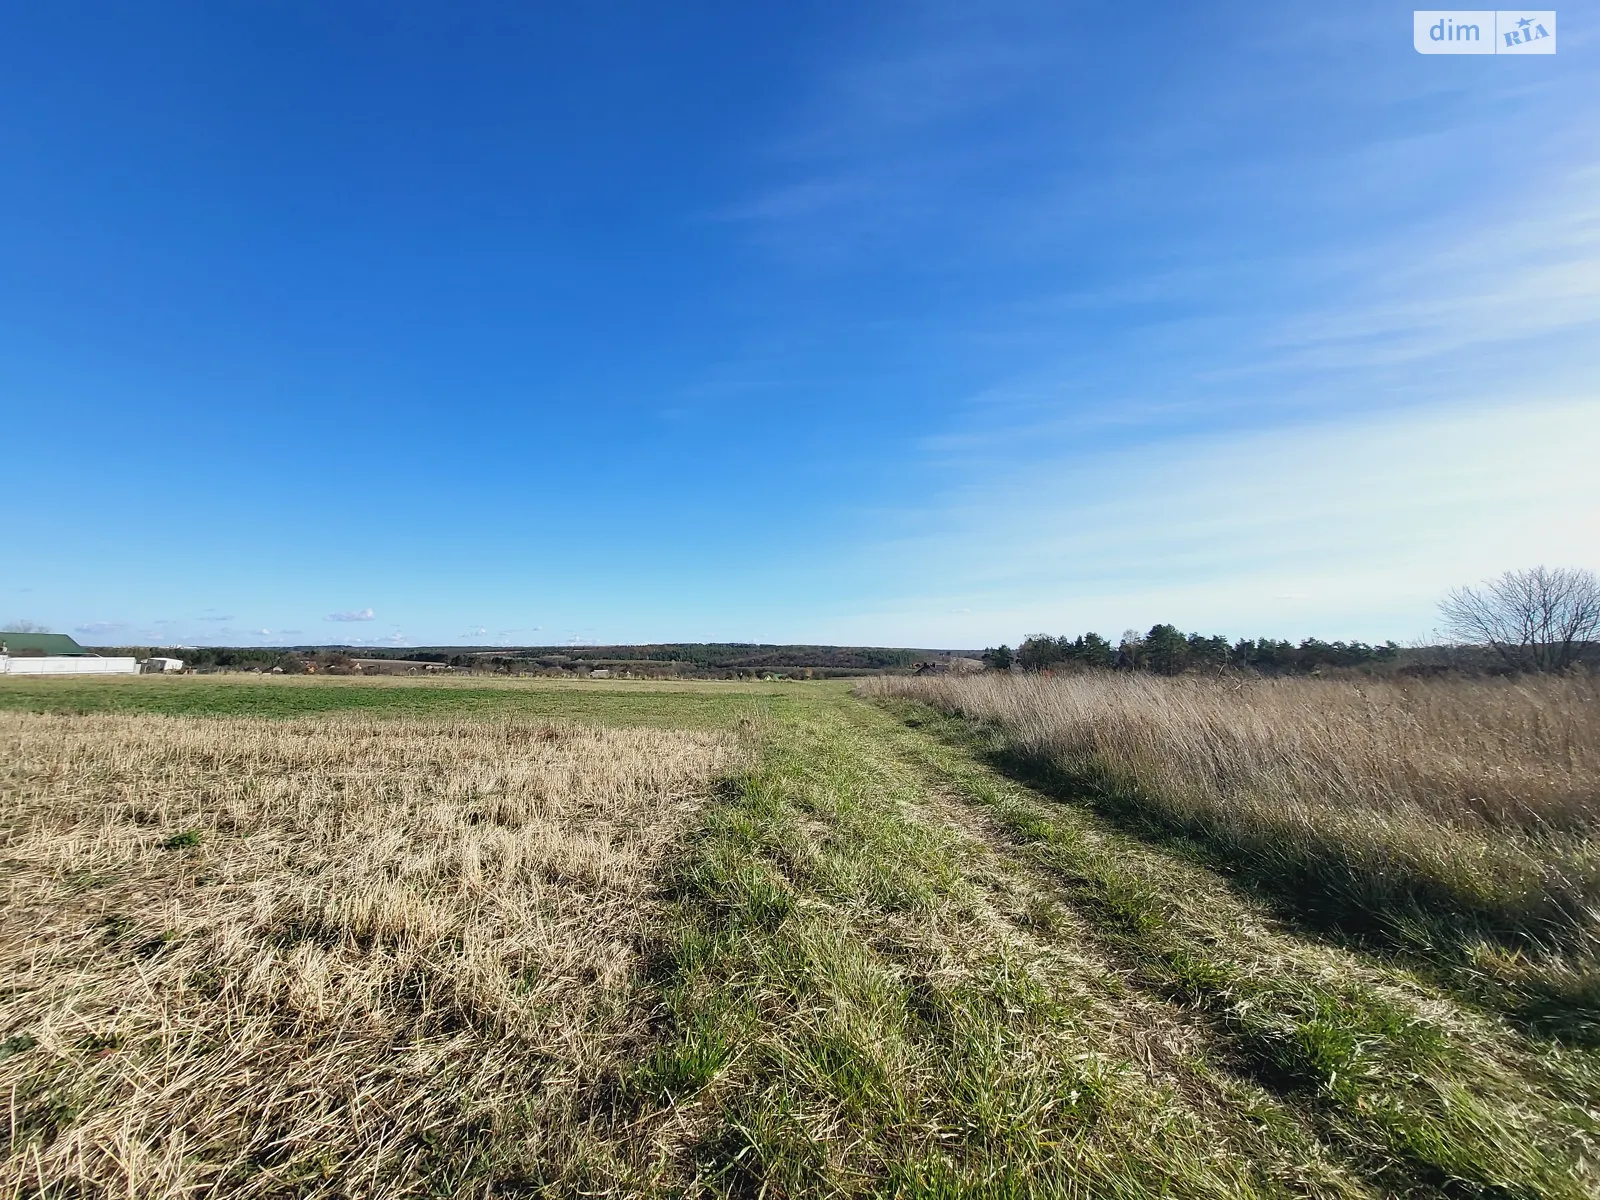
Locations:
{"points": [[426, 938]]}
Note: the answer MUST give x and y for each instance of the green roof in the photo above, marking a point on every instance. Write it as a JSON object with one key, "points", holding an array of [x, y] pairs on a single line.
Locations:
{"points": [[39, 643]]}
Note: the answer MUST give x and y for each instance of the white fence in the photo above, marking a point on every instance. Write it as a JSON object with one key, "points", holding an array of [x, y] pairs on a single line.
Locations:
{"points": [[56, 664]]}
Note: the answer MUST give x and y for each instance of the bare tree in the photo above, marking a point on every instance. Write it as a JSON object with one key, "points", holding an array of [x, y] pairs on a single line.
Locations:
{"points": [[1540, 619], [25, 627]]}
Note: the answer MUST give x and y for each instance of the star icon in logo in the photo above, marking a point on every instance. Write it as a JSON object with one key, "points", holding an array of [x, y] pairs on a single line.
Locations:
{"points": [[1525, 22]]}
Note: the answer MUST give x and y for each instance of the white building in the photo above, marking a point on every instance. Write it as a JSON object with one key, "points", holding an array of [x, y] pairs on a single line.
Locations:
{"points": [[51, 664], [56, 654]]}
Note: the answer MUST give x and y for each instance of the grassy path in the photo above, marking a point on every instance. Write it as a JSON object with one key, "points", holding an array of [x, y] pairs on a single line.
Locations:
{"points": [[897, 972]]}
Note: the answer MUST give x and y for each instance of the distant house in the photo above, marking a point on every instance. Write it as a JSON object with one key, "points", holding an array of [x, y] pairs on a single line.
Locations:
{"points": [[398, 666], [600, 673], [56, 654]]}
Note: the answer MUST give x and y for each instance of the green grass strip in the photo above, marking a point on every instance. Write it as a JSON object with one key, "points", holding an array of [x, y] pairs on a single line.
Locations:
{"points": [[848, 1026]]}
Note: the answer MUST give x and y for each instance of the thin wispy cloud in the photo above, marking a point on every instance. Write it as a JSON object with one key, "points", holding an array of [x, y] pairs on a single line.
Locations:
{"points": [[1503, 282], [1225, 531], [1509, 308], [1217, 281], [355, 614]]}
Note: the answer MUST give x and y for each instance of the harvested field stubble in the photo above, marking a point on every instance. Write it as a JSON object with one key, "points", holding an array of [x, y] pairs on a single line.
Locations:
{"points": [[325, 957]]}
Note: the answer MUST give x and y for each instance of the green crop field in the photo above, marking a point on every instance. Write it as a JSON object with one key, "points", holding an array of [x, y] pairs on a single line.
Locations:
{"points": [[329, 937], [615, 701]]}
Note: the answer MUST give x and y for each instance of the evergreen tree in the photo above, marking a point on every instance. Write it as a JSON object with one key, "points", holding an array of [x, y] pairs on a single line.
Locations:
{"points": [[1166, 649], [1040, 652], [1094, 651], [999, 659]]}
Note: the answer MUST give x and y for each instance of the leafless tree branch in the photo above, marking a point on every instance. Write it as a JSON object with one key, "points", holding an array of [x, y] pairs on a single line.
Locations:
{"points": [[1538, 619]]}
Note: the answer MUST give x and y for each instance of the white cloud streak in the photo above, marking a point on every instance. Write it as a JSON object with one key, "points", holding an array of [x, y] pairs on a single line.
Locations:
{"points": [[1339, 529], [100, 628], [358, 614]]}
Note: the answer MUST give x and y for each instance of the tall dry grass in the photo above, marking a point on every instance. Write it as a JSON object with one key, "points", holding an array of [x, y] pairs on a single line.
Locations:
{"points": [[1458, 808], [346, 957]]}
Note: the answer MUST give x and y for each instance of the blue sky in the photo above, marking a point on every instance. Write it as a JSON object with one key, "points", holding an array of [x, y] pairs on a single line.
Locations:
{"points": [[914, 324]]}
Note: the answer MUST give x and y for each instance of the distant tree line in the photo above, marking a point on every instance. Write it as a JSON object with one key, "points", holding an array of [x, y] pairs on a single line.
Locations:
{"points": [[216, 658], [726, 660], [676, 659], [1544, 619], [1168, 650], [291, 661]]}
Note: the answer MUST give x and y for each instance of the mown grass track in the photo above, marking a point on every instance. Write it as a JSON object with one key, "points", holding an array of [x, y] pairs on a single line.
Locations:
{"points": [[1446, 823], [1416, 1090]]}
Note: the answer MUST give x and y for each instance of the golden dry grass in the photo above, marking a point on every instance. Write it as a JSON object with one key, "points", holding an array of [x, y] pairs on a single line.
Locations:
{"points": [[1381, 801], [341, 956]]}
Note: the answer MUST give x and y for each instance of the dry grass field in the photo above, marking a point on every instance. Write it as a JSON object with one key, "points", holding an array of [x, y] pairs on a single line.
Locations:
{"points": [[364, 940]]}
